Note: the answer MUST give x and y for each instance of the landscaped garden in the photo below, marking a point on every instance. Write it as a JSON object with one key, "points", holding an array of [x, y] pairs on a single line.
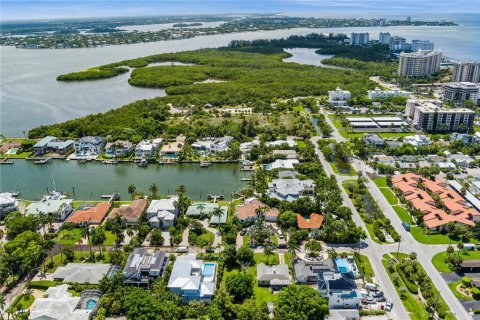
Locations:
{"points": [[441, 262], [409, 278]]}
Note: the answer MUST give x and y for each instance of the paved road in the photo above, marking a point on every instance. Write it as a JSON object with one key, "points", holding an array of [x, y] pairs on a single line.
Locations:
{"points": [[408, 243], [373, 251]]}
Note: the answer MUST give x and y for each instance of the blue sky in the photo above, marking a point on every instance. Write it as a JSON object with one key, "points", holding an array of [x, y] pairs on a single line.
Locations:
{"points": [[49, 9]]}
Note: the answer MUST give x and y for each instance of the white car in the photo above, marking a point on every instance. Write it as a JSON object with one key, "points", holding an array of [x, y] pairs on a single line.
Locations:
{"points": [[389, 306]]}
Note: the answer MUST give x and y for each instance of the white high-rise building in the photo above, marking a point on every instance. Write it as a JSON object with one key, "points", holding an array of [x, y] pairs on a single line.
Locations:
{"points": [[384, 38], [466, 72], [422, 45], [457, 92], [359, 39], [419, 64], [397, 43]]}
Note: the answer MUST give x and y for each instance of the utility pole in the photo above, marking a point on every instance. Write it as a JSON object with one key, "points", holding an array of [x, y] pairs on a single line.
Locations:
{"points": [[398, 248]]}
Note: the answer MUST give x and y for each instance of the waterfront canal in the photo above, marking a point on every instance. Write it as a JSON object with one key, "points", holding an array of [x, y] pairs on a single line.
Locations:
{"points": [[92, 179]]}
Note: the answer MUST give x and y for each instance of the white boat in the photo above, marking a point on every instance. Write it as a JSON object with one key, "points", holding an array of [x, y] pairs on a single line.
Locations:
{"points": [[205, 164], [110, 162], [143, 163]]}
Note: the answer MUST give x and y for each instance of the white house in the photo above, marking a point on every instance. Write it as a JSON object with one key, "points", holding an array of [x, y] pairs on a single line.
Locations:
{"points": [[119, 148], [147, 149], [418, 140], [8, 203], [59, 209], [89, 146], [283, 164], [212, 145], [339, 97], [290, 189], [192, 279], [162, 213]]}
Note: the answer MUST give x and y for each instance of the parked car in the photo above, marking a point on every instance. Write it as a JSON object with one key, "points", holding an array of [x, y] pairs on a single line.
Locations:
{"points": [[182, 250], [406, 225], [371, 286], [381, 299], [377, 294], [242, 233], [280, 235], [368, 300], [281, 245], [210, 250], [389, 306]]}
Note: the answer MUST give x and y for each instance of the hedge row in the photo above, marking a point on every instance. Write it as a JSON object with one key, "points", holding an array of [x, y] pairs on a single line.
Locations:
{"points": [[412, 287]]}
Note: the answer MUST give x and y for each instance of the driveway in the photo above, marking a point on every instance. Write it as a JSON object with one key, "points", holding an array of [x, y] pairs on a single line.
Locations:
{"points": [[218, 235]]}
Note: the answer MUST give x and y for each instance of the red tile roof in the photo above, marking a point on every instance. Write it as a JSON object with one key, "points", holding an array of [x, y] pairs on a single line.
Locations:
{"points": [[421, 200], [249, 210], [313, 222], [93, 215], [130, 212]]}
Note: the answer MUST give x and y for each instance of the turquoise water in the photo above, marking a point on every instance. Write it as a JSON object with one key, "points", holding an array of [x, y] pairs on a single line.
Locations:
{"points": [[342, 269], [91, 304], [208, 269]]}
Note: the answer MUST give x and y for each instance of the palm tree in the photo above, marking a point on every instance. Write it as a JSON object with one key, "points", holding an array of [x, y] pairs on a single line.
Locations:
{"points": [[98, 238], [132, 190], [3, 303], [292, 248], [268, 251], [181, 189], [86, 235], [48, 245], [153, 190], [217, 212]]}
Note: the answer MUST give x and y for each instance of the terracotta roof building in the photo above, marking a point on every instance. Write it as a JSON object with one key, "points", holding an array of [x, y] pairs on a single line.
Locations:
{"points": [[313, 222], [247, 212], [454, 209], [131, 213], [90, 215]]}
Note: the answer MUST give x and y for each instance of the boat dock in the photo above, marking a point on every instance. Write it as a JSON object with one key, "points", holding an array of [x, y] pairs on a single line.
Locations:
{"points": [[6, 161]]}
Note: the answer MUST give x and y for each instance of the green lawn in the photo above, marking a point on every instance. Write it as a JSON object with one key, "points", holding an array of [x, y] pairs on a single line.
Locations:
{"points": [[388, 194], [453, 287], [403, 214], [109, 238], [208, 236], [261, 294], [381, 182], [301, 145], [21, 155], [433, 237], [439, 263], [364, 265], [299, 109], [414, 306], [71, 236], [80, 256], [274, 239], [246, 239], [22, 302], [287, 256], [346, 169], [371, 233]]}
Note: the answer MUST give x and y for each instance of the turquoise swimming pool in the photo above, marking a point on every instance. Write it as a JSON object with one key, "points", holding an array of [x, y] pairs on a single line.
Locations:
{"points": [[208, 269], [91, 304]]}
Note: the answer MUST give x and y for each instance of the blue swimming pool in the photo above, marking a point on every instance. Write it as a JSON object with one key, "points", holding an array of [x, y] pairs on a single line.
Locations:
{"points": [[208, 269], [342, 269], [91, 304]]}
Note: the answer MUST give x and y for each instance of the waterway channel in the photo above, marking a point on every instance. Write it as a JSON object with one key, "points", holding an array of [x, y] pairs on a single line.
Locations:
{"points": [[88, 181]]}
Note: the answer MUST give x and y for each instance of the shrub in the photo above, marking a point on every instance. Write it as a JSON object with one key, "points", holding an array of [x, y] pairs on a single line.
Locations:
{"points": [[467, 281], [476, 293], [412, 287], [43, 284]]}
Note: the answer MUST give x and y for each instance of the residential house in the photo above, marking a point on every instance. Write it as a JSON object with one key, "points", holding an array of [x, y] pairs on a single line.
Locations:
{"points": [[288, 154], [143, 267], [470, 265], [343, 314], [290, 142], [275, 277], [193, 279], [198, 209], [374, 140], [466, 194], [162, 213], [173, 149], [313, 222], [147, 149], [339, 97], [8, 146], [246, 147], [475, 187], [59, 209], [130, 213], [418, 140], [340, 289], [119, 148], [252, 209], [85, 273], [59, 304], [282, 164], [52, 144], [212, 145], [306, 272], [290, 189], [457, 210], [8, 203], [89, 214], [89, 146]]}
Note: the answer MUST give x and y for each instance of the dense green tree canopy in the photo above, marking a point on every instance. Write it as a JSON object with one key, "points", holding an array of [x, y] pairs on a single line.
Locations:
{"points": [[299, 302]]}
